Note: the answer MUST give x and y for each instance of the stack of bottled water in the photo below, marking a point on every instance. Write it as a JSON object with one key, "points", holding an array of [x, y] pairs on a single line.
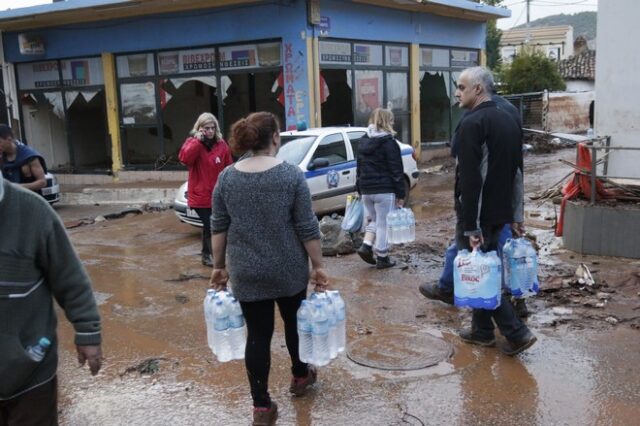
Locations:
{"points": [[401, 226], [520, 262], [321, 328], [477, 279], [226, 334]]}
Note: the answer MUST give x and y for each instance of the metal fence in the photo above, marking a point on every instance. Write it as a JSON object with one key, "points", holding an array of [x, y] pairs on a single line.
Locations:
{"points": [[533, 108], [604, 144]]}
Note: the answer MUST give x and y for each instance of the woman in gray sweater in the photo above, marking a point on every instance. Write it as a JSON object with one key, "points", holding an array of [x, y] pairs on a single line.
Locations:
{"points": [[263, 224]]}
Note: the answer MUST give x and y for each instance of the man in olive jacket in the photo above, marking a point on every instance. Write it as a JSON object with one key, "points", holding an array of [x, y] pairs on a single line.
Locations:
{"points": [[38, 264]]}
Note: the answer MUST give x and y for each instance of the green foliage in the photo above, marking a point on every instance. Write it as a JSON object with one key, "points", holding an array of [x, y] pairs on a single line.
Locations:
{"points": [[583, 23], [531, 71], [493, 36]]}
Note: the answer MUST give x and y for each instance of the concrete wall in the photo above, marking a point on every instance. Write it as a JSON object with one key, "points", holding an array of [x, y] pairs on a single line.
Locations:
{"points": [[580, 86], [569, 112], [617, 111]]}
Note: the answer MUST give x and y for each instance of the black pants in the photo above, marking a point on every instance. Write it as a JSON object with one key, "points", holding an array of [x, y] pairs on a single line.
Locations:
{"points": [[259, 317], [504, 316], [37, 407], [205, 217]]}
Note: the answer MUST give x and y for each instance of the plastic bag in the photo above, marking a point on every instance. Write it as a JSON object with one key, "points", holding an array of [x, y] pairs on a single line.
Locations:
{"points": [[353, 215], [477, 279]]}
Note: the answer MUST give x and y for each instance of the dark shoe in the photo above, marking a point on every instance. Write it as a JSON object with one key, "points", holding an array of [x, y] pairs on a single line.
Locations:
{"points": [[265, 416], [514, 347], [300, 385], [207, 260], [384, 262], [366, 253], [520, 307], [433, 292], [467, 336]]}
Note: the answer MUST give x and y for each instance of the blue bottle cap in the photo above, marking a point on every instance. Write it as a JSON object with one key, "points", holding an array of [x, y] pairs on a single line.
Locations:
{"points": [[44, 342]]}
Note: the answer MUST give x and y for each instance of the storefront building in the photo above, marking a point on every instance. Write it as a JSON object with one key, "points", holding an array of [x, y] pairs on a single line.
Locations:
{"points": [[108, 85]]}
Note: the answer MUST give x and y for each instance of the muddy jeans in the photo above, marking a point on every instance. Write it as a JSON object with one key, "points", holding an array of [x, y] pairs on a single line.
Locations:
{"points": [[259, 317], [504, 316], [376, 208], [37, 407]]}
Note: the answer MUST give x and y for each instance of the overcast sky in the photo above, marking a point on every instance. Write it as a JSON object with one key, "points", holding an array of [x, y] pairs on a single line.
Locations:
{"points": [[539, 8]]}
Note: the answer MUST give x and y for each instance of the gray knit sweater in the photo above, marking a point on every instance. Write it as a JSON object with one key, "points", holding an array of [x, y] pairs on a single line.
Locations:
{"points": [[267, 216], [37, 264]]}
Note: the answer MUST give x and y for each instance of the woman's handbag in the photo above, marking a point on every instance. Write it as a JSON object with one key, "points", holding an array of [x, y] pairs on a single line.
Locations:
{"points": [[353, 215]]}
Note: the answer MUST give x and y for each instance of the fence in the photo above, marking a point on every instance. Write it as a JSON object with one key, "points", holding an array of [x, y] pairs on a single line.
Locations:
{"points": [[533, 108]]}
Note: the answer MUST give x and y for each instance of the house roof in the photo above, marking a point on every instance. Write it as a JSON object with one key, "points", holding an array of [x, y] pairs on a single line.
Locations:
{"points": [[80, 11], [541, 35], [579, 67]]}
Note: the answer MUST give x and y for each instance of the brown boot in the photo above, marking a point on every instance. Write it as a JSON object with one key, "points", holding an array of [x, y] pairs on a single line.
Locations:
{"points": [[265, 416], [300, 385]]}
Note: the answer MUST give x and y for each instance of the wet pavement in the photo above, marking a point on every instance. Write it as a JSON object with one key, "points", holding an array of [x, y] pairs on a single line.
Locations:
{"points": [[150, 284]]}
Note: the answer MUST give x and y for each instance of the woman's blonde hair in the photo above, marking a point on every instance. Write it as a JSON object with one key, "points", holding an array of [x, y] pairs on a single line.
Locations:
{"points": [[383, 120], [207, 117]]}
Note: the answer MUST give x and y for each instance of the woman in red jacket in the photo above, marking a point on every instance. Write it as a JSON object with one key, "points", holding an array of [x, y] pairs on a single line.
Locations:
{"points": [[205, 154]]}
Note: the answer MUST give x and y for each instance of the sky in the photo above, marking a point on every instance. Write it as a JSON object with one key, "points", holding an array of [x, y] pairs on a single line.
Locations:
{"points": [[539, 8]]}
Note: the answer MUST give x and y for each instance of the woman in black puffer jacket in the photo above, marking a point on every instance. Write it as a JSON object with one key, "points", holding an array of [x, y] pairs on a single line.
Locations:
{"points": [[380, 182]]}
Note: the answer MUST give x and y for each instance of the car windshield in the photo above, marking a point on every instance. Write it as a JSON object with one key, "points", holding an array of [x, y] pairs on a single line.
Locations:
{"points": [[294, 148]]}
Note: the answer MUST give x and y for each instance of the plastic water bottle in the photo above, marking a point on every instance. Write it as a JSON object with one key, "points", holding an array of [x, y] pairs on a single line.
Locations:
{"points": [[412, 225], [507, 254], [402, 227], [340, 310], [477, 279], [208, 316], [333, 336], [320, 330], [590, 133], [221, 331], [305, 336], [390, 229], [37, 352], [237, 334]]}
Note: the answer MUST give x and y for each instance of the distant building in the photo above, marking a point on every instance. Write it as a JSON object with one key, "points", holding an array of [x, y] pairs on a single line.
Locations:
{"points": [[555, 42], [579, 71]]}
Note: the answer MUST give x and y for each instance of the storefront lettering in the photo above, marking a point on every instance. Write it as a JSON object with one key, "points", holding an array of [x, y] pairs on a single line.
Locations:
{"points": [[295, 98], [199, 61]]}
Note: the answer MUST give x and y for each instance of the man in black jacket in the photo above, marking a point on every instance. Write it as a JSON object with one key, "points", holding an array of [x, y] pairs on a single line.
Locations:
{"points": [[488, 195]]}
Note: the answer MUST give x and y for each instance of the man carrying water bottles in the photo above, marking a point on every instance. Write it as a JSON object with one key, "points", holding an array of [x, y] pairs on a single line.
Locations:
{"points": [[488, 195], [38, 264]]}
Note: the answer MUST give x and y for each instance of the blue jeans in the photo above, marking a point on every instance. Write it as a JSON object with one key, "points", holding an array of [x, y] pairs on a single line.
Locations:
{"points": [[446, 279]]}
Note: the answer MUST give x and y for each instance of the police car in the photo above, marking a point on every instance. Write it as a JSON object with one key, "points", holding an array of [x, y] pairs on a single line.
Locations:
{"points": [[327, 156], [51, 192]]}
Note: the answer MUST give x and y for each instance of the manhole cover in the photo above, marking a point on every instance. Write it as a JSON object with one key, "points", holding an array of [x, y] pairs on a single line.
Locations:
{"points": [[399, 351]]}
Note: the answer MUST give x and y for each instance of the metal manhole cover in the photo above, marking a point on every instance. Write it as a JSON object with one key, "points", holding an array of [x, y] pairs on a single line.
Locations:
{"points": [[399, 351]]}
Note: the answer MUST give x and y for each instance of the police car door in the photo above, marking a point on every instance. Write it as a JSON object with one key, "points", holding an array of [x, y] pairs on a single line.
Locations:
{"points": [[329, 174]]}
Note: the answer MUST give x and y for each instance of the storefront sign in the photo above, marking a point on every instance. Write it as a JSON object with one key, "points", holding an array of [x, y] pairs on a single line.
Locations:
{"points": [[464, 58], [335, 53], [397, 56], [238, 56], [294, 98], [367, 54], [187, 61], [137, 65], [31, 44], [325, 25]]}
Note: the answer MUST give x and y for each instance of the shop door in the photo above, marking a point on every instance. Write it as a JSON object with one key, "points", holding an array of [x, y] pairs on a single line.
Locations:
{"points": [[336, 97], [87, 129]]}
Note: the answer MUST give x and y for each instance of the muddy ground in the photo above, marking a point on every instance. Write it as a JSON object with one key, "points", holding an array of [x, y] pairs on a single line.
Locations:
{"points": [[159, 371]]}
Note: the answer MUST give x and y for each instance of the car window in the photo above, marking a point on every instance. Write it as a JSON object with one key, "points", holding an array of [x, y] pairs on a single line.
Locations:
{"points": [[332, 148], [354, 139], [294, 148]]}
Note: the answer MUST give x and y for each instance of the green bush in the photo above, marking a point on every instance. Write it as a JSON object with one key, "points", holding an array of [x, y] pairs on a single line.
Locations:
{"points": [[530, 71]]}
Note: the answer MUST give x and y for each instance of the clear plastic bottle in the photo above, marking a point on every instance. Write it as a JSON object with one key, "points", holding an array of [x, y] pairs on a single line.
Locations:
{"points": [[221, 331], [340, 308], [333, 337], [392, 227], [237, 334], [208, 316], [412, 225], [305, 336], [320, 330], [38, 351]]}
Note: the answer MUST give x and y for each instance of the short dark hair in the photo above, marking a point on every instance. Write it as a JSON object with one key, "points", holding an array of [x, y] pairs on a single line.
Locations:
{"points": [[5, 131]]}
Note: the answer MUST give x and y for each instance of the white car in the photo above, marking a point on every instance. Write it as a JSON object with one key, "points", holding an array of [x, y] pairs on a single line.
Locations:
{"points": [[327, 156], [51, 192]]}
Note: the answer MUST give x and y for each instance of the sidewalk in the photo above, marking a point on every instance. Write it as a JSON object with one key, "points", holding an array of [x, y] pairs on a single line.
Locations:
{"points": [[122, 193]]}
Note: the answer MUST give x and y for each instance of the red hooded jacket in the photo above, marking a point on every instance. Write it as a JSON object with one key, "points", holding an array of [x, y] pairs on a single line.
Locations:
{"points": [[204, 167]]}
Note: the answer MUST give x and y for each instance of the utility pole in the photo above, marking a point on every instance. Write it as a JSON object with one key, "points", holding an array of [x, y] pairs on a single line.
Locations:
{"points": [[528, 10]]}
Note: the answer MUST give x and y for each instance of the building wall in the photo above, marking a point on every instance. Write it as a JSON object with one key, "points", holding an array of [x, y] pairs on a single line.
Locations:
{"points": [[580, 86], [617, 113], [569, 112]]}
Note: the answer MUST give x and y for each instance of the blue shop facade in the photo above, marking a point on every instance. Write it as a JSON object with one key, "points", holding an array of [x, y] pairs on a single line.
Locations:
{"points": [[107, 85]]}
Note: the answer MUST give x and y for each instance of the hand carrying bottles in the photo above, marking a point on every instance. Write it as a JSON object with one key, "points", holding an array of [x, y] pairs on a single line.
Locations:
{"points": [[226, 335], [521, 267], [321, 327]]}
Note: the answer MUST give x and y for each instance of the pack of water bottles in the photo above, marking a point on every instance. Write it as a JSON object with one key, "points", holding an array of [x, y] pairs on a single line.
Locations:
{"points": [[321, 328], [401, 226], [520, 262], [226, 334], [477, 279]]}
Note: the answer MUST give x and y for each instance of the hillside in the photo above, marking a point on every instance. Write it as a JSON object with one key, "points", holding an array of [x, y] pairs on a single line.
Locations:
{"points": [[583, 23]]}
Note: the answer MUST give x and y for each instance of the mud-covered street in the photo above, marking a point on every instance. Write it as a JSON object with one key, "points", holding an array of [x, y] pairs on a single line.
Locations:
{"points": [[158, 370]]}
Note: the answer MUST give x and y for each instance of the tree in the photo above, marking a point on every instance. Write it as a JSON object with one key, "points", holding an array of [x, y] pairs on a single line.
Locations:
{"points": [[531, 71], [493, 36]]}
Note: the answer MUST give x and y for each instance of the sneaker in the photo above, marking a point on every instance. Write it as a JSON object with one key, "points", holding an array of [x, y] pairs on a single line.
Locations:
{"points": [[467, 336], [520, 307], [434, 292], [514, 347], [300, 385], [366, 253], [384, 262], [207, 260], [263, 416]]}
